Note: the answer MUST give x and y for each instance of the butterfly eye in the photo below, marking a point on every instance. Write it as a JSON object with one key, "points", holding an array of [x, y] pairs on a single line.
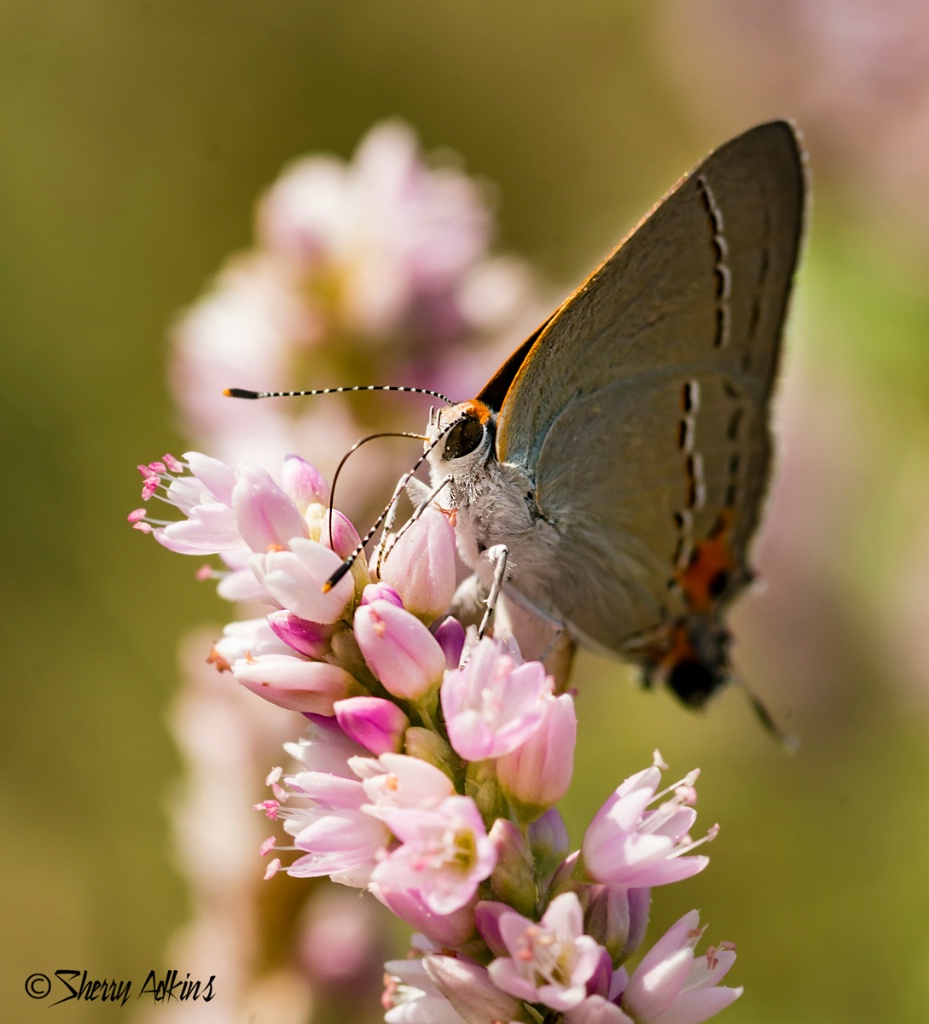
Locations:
{"points": [[463, 438]]}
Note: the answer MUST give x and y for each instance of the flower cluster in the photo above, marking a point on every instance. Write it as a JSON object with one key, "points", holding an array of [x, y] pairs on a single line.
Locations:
{"points": [[384, 257], [432, 763]]}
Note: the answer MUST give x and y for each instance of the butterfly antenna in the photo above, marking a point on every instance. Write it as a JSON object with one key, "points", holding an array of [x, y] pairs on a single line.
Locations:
{"points": [[787, 740], [354, 448], [404, 480], [244, 393]]}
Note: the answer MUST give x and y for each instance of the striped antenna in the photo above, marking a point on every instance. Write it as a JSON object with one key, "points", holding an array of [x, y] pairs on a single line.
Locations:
{"points": [[404, 480], [243, 393], [354, 448]]}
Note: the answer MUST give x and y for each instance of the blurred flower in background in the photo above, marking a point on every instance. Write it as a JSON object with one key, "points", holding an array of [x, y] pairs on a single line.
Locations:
{"points": [[376, 271]]}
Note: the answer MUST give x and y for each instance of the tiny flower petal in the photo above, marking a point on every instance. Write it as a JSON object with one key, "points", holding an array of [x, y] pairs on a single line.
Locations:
{"points": [[264, 513]]}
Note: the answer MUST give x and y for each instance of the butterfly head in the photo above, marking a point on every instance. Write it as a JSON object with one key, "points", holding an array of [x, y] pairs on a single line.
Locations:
{"points": [[461, 438]]}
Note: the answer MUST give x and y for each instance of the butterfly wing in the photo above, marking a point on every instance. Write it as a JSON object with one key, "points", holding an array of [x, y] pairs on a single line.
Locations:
{"points": [[640, 410]]}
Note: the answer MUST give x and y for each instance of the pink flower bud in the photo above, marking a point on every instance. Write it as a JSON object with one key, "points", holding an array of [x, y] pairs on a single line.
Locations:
{"points": [[550, 842], [380, 592], [296, 684], [265, 515], [537, 775], [421, 566], [467, 986], [399, 650], [304, 483], [451, 637], [373, 722], [308, 638], [345, 537]]}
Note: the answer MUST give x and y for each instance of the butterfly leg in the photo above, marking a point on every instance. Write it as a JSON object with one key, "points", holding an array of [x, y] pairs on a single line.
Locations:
{"points": [[499, 556], [419, 493]]}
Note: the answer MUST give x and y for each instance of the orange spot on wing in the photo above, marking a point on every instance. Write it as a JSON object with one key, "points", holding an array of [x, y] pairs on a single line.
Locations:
{"points": [[710, 569]]}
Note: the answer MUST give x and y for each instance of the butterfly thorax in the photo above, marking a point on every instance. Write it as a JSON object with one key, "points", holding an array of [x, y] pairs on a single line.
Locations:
{"points": [[493, 502]]}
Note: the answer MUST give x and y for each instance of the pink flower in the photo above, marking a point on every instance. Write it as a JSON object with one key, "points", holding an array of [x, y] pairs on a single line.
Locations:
{"points": [[399, 650], [537, 774], [444, 854], [338, 839], [672, 986], [492, 705], [398, 237], [294, 576], [412, 997], [394, 781], [550, 961], [626, 844], [335, 835]]}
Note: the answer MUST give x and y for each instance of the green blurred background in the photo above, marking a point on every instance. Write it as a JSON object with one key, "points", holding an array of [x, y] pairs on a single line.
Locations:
{"points": [[136, 136]]}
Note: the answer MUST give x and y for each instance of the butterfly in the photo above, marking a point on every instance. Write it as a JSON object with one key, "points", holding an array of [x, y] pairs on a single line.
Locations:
{"points": [[617, 462]]}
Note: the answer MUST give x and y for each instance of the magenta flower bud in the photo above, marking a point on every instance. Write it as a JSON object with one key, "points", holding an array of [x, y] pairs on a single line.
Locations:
{"points": [[265, 515], [380, 592], [451, 636], [304, 483], [450, 931], [513, 878], [399, 650], [373, 722], [296, 684], [308, 638], [421, 566], [467, 986], [537, 775]]}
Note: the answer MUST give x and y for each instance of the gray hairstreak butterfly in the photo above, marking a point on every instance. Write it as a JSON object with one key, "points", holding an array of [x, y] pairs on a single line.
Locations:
{"points": [[620, 455], [611, 472]]}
